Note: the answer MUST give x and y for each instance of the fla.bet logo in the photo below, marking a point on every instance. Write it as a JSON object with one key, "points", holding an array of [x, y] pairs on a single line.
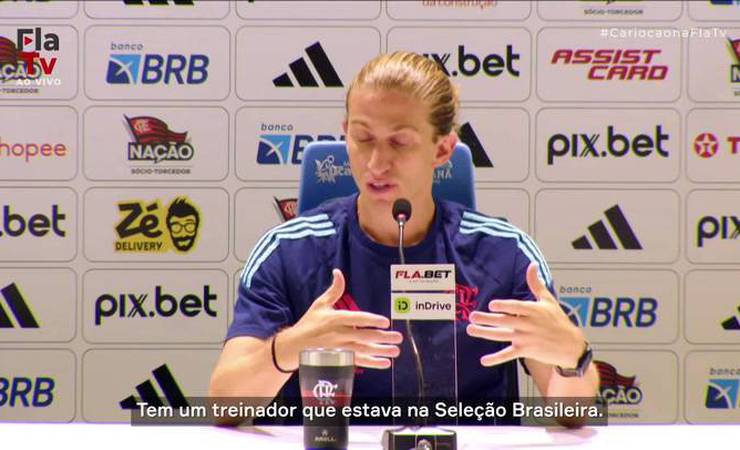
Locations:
{"points": [[147, 227], [137, 67], [28, 61]]}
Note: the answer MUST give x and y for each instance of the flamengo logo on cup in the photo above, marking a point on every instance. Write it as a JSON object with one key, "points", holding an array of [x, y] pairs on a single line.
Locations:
{"points": [[470, 65], [18, 307], [614, 64], [325, 389], [143, 226], [23, 62]]}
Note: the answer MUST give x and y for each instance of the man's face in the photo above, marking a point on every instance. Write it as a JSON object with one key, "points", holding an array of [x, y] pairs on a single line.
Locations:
{"points": [[391, 146], [183, 231]]}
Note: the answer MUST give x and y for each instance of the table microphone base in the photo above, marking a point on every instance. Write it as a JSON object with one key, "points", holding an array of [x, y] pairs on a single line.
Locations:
{"points": [[426, 438]]}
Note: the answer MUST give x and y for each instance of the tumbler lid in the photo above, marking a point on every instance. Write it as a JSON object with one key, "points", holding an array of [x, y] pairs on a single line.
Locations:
{"points": [[327, 357]]}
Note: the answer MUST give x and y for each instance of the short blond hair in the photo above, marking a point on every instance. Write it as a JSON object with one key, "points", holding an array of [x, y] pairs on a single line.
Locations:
{"points": [[417, 76]]}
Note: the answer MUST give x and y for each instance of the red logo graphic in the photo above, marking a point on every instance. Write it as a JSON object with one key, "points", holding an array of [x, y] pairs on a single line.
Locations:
{"points": [[150, 130], [288, 208], [706, 145], [466, 302], [614, 63]]}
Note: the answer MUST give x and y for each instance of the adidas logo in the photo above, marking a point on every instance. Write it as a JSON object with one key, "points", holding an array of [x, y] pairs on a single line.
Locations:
{"points": [[302, 72], [468, 136], [149, 395], [18, 307], [600, 233], [158, 2], [733, 323]]}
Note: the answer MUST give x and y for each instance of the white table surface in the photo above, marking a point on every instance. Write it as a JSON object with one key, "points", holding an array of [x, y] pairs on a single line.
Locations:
{"points": [[78, 436]]}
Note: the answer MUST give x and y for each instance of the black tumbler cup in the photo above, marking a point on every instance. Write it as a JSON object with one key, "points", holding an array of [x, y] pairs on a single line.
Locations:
{"points": [[326, 377]]}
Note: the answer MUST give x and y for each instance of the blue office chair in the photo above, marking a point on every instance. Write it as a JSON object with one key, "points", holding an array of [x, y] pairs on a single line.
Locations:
{"points": [[325, 174]]}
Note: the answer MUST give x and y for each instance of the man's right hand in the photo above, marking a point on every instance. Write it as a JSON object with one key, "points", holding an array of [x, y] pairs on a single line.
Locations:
{"points": [[324, 326]]}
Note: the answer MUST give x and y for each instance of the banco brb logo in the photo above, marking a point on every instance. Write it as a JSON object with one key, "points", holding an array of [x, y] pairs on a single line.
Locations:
{"points": [[147, 227]]}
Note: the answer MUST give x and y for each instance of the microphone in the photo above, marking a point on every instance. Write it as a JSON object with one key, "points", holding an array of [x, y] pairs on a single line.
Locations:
{"points": [[401, 214]]}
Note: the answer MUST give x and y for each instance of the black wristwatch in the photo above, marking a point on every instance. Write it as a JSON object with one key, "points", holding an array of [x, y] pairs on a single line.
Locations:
{"points": [[583, 361]]}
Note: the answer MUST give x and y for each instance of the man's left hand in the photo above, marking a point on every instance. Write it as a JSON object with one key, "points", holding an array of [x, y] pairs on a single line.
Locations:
{"points": [[539, 330]]}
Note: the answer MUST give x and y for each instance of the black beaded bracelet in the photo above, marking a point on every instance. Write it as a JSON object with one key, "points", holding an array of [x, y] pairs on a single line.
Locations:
{"points": [[274, 358]]}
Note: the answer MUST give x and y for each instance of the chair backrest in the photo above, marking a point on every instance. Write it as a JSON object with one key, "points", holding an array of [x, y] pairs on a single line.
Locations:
{"points": [[325, 174]]}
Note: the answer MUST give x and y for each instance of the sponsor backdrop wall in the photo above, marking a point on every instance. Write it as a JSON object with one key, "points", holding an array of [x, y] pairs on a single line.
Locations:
{"points": [[146, 145]]}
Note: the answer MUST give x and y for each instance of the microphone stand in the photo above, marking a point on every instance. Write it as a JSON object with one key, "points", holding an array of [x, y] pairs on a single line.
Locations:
{"points": [[415, 438]]}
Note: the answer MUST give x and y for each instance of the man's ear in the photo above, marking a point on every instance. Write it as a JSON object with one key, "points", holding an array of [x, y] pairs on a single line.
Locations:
{"points": [[344, 128], [445, 147]]}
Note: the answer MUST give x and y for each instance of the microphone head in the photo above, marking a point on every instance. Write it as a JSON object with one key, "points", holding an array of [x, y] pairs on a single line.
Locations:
{"points": [[401, 207]]}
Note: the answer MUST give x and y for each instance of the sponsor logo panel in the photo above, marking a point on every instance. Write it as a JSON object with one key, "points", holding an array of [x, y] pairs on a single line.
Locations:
{"points": [[638, 386], [38, 62], [38, 143], [172, 63], [473, 10], [156, 225], [628, 226], [164, 306], [496, 138], [114, 380], [716, 321], [38, 224], [487, 63], [713, 387], [157, 9], [713, 145], [156, 143], [38, 305], [308, 10], [608, 145], [511, 205], [308, 65], [270, 141], [259, 209], [626, 306], [610, 10], [715, 10], [37, 385], [37, 9], [581, 65], [714, 67], [713, 226]]}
